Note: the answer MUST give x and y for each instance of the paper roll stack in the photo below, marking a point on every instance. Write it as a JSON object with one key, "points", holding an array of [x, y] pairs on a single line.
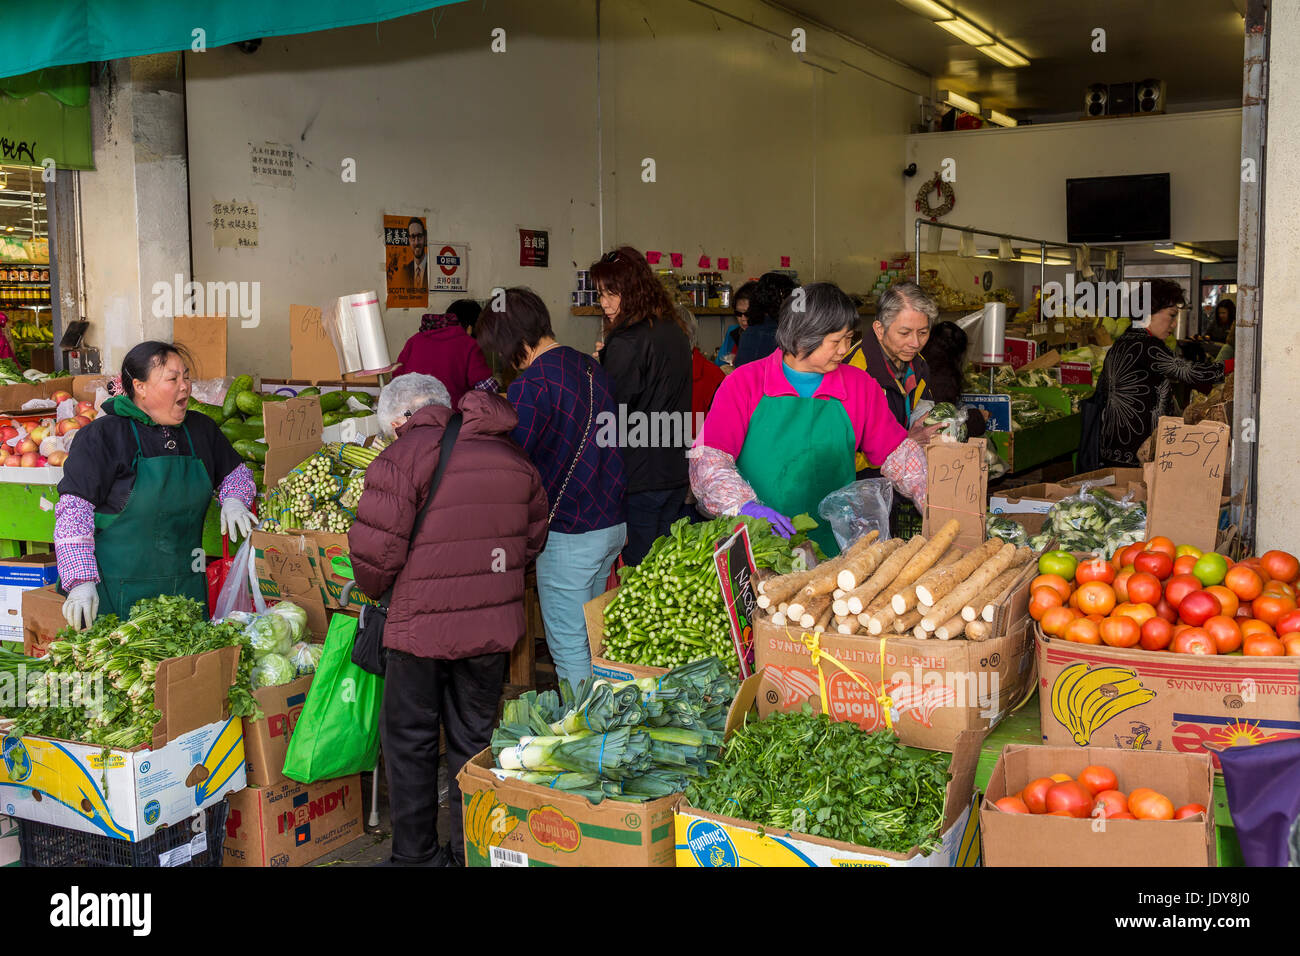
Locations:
{"points": [[994, 333], [356, 328]]}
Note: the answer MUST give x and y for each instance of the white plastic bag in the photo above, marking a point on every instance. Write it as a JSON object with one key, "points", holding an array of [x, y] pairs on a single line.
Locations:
{"points": [[240, 591]]}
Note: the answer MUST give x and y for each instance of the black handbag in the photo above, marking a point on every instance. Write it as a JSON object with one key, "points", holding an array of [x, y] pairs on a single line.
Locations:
{"points": [[368, 651]]}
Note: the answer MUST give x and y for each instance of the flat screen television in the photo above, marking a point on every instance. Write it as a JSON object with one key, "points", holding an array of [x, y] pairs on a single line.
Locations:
{"points": [[1118, 208]]}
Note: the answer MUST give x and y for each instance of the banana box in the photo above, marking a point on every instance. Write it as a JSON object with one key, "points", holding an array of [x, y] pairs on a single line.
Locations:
{"points": [[711, 840], [291, 823], [10, 851], [1134, 699], [194, 759], [511, 823], [1031, 839]]}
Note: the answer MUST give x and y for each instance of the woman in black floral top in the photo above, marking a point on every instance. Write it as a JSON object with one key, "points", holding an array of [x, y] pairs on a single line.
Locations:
{"points": [[1137, 380]]}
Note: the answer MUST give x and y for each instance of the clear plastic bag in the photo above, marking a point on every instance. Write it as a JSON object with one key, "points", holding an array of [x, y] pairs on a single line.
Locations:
{"points": [[997, 464], [1008, 529], [1094, 520], [952, 418], [211, 391], [240, 592], [858, 509]]}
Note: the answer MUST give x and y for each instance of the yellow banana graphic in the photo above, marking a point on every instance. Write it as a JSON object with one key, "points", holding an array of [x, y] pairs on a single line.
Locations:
{"points": [[487, 823], [1140, 741], [44, 766], [1084, 700], [222, 761]]}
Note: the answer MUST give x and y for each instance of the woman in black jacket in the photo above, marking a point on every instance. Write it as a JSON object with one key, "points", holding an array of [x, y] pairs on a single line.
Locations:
{"points": [[647, 357], [945, 353]]}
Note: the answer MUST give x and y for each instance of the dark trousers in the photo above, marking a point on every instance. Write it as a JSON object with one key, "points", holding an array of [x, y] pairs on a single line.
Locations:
{"points": [[419, 694], [649, 515]]}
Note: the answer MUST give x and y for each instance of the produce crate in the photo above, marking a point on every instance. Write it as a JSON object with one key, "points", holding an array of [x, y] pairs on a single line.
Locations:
{"points": [[44, 844], [1031, 447]]}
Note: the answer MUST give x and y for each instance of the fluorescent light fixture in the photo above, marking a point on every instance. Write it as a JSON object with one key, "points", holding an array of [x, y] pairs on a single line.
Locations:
{"points": [[1003, 54], [1184, 251], [1000, 119], [928, 8], [966, 32], [1033, 256], [959, 102]]}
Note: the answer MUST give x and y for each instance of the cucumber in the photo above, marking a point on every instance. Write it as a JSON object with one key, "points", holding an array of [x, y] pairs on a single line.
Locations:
{"points": [[250, 403], [333, 418], [275, 398], [311, 390], [250, 450], [239, 431], [365, 398], [211, 411], [241, 384], [256, 420], [332, 401]]}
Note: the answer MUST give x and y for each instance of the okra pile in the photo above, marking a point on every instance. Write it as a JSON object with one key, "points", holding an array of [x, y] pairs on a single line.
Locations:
{"points": [[669, 609]]}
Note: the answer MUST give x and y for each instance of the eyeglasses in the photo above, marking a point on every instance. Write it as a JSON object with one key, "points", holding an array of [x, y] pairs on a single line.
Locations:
{"points": [[610, 256]]}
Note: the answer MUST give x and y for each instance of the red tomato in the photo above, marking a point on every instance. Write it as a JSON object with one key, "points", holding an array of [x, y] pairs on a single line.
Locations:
{"points": [[1139, 612], [1244, 582], [1120, 631], [1011, 805], [1123, 816], [1288, 623], [1185, 564], [1072, 797], [1157, 634], [1096, 598], [1227, 599], [1144, 587], [1131, 552], [1189, 810], [1270, 608], [1194, 641], [1225, 631], [1280, 566], [1198, 607], [1167, 611], [1120, 584], [1035, 795], [1262, 645], [1162, 544], [1112, 803], [1155, 563], [1094, 569], [1098, 779], [1291, 644], [1145, 804], [1178, 587]]}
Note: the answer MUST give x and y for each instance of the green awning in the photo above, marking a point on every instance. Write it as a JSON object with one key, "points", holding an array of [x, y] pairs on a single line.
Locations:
{"points": [[46, 115], [63, 32]]}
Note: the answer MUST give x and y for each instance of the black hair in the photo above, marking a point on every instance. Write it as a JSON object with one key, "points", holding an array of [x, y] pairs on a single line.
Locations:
{"points": [[518, 327], [466, 312], [416, 222], [1232, 310], [745, 292], [948, 341], [1165, 293], [146, 357], [772, 289]]}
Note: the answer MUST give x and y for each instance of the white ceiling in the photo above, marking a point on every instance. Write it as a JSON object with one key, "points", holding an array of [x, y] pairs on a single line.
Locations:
{"points": [[1195, 46]]}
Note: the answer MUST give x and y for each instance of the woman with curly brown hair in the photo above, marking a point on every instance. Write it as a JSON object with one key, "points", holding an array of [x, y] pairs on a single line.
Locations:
{"points": [[647, 357]]}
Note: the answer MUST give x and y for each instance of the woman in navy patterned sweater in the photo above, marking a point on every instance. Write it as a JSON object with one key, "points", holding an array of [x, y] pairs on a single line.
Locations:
{"points": [[563, 397]]}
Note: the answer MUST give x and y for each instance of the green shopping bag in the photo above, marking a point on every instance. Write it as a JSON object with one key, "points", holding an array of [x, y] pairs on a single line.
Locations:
{"points": [[338, 731]]}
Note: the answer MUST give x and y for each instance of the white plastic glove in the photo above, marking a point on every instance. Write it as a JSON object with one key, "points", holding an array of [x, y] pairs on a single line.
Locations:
{"points": [[235, 517], [81, 605]]}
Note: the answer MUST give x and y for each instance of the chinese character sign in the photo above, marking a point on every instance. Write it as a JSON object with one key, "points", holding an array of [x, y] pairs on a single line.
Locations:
{"points": [[534, 247], [234, 225], [271, 164], [406, 262]]}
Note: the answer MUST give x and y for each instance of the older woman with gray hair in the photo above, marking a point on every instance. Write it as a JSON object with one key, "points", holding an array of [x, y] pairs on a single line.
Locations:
{"points": [[783, 430], [457, 579]]}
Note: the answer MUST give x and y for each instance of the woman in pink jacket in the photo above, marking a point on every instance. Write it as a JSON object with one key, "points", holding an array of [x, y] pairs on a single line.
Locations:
{"points": [[442, 348]]}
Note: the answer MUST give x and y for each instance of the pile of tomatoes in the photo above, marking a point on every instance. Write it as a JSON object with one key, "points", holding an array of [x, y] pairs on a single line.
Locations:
{"points": [[1161, 597], [1095, 793]]}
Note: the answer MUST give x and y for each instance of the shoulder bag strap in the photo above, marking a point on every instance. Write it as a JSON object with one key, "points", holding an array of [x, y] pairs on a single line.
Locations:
{"points": [[444, 456], [582, 444]]}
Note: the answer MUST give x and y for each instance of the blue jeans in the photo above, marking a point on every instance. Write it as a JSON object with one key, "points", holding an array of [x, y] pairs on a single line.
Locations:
{"points": [[570, 572]]}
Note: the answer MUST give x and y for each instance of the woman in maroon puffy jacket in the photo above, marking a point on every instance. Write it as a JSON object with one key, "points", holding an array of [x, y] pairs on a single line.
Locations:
{"points": [[458, 588]]}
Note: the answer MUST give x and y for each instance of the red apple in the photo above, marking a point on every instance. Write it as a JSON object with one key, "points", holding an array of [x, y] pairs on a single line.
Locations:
{"points": [[28, 460], [1198, 607], [67, 425], [41, 461], [13, 461], [7, 432], [27, 446], [86, 408], [60, 397], [81, 421]]}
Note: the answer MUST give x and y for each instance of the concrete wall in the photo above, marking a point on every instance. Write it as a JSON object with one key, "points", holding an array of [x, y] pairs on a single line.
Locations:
{"points": [[757, 154]]}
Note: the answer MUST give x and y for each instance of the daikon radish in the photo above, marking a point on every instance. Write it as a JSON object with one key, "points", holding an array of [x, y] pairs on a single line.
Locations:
{"points": [[884, 618], [782, 589], [947, 579], [847, 625], [778, 619], [860, 597], [860, 567], [953, 627], [981, 578], [907, 621], [904, 599], [810, 614], [1004, 580], [920, 633], [823, 579], [928, 556], [824, 619], [875, 609], [986, 601], [978, 630]]}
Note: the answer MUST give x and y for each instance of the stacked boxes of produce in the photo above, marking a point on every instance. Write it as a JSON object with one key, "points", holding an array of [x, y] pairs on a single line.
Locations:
{"points": [[590, 778], [1033, 418]]}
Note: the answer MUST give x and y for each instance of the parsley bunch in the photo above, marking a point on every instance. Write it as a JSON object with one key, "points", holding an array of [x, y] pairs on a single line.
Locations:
{"points": [[809, 774]]}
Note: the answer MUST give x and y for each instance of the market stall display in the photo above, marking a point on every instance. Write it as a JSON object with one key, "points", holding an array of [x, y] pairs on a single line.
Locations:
{"points": [[322, 492]]}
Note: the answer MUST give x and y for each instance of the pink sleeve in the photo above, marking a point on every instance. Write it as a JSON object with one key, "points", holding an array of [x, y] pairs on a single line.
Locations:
{"points": [[877, 431], [238, 484], [727, 423], [74, 541]]}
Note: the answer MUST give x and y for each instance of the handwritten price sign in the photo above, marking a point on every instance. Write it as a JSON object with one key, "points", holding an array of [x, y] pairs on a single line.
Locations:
{"points": [[1187, 481], [957, 488]]}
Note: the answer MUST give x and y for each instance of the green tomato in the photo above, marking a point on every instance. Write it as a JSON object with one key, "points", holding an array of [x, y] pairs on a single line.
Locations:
{"points": [[1058, 562], [1210, 569]]}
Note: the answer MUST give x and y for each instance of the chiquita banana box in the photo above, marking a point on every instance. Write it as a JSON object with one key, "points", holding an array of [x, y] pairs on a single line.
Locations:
{"points": [[122, 794], [1136, 699]]}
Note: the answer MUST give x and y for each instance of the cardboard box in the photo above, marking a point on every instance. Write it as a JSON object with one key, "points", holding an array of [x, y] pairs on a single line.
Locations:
{"points": [[292, 824], [10, 851], [1180, 702], [594, 612], [19, 575], [266, 741], [1186, 481], [708, 839], [1117, 481], [205, 338], [328, 547], [1019, 839], [546, 827], [285, 565], [293, 434], [42, 619]]}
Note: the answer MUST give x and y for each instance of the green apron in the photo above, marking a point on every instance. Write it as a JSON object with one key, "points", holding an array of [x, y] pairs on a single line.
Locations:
{"points": [[796, 452], [147, 549]]}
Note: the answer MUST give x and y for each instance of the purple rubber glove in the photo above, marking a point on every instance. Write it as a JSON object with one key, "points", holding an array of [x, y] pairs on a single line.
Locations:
{"points": [[780, 523]]}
